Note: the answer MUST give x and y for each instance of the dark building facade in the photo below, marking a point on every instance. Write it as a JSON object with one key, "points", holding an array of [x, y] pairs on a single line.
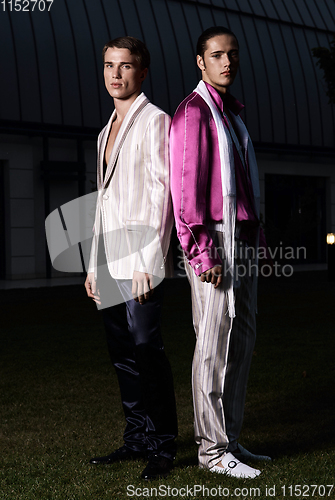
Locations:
{"points": [[53, 104]]}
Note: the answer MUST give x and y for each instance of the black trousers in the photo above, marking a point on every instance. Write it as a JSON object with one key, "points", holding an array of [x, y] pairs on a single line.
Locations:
{"points": [[137, 352]]}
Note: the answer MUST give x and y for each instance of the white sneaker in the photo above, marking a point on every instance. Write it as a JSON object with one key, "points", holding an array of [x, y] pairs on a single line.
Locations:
{"points": [[245, 455], [231, 466]]}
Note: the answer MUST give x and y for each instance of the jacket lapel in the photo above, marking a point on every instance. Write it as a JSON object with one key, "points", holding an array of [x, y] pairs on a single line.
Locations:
{"points": [[134, 110], [102, 148]]}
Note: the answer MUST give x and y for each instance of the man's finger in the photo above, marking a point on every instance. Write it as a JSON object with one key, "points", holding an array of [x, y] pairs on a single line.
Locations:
{"points": [[141, 300], [90, 295], [88, 288], [151, 285], [140, 287], [218, 281], [146, 288], [144, 294], [134, 290]]}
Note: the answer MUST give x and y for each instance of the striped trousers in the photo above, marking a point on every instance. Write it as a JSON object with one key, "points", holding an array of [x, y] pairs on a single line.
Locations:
{"points": [[222, 358]]}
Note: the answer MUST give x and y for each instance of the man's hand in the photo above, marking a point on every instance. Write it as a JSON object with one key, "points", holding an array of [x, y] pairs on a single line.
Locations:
{"points": [[91, 288], [213, 275], [142, 286]]}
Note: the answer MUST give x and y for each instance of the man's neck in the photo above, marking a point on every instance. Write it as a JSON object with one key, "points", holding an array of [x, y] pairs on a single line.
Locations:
{"points": [[222, 94], [222, 91], [122, 106]]}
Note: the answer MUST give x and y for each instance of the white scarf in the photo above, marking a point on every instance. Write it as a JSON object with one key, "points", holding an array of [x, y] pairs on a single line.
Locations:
{"points": [[229, 186]]}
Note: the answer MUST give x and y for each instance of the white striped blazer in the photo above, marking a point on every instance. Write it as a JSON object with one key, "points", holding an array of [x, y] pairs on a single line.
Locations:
{"points": [[134, 209]]}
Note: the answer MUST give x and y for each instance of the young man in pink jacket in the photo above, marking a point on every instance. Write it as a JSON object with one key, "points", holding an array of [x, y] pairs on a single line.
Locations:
{"points": [[215, 192]]}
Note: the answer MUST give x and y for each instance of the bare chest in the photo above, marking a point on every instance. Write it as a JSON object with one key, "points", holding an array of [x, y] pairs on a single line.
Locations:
{"points": [[114, 130]]}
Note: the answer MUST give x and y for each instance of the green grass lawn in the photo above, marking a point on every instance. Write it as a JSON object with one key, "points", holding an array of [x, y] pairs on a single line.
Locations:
{"points": [[60, 402]]}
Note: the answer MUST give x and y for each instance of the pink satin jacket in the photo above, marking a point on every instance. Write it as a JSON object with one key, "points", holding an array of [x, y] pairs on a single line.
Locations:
{"points": [[196, 180]]}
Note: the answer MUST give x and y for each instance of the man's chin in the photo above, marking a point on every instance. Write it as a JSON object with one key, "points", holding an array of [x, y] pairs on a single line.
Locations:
{"points": [[228, 80]]}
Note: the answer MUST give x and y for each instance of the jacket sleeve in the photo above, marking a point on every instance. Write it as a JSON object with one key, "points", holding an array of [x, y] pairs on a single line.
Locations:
{"points": [[155, 237], [94, 246], [190, 157]]}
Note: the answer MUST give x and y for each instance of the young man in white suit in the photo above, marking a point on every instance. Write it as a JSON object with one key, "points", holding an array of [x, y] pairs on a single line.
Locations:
{"points": [[134, 217]]}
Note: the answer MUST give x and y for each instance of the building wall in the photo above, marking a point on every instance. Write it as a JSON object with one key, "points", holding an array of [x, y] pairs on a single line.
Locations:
{"points": [[322, 216], [53, 91], [25, 245]]}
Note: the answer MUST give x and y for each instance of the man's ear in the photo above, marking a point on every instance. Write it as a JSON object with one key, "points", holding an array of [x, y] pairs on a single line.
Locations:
{"points": [[201, 63], [144, 74]]}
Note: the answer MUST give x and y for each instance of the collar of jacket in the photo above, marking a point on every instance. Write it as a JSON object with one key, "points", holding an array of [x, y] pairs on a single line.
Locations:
{"points": [[135, 109]]}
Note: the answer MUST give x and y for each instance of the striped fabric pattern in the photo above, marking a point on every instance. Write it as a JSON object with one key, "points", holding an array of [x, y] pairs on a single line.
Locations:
{"points": [[221, 362], [135, 201]]}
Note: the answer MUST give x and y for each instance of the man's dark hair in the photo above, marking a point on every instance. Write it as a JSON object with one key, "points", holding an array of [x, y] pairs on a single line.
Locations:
{"points": [[211, 33], [135, 46]]}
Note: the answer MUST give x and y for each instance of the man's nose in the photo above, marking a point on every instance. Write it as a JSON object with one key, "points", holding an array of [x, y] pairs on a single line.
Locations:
{"points": [[116, 72], [226, 60]]}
